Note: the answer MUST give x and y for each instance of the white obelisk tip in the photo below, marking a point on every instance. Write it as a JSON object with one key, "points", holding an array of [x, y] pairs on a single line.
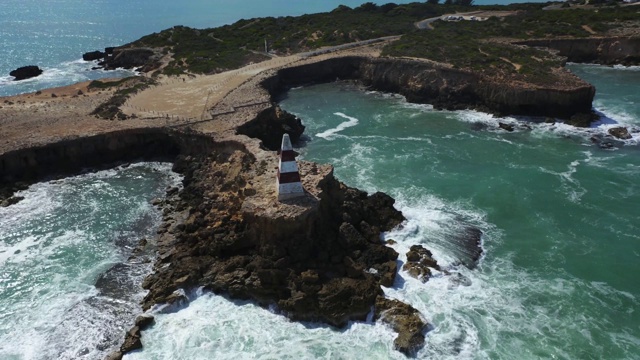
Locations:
{"points": [[286, 142]]}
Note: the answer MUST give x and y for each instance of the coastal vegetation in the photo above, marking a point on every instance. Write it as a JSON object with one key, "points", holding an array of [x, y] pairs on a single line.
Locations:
{"points": [[124, 88], [485, 47], [232, 46]]}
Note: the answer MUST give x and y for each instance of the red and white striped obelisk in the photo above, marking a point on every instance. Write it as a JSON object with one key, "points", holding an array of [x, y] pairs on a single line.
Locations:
{"points": [[288, 181]]}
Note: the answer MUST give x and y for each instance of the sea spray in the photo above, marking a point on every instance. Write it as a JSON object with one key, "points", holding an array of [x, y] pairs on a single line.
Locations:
{"points": [[68, 290]]}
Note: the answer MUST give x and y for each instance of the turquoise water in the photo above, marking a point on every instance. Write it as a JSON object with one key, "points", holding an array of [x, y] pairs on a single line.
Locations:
{"points": [[55, 34], [559, 216], [66, 289], [617, 90]]}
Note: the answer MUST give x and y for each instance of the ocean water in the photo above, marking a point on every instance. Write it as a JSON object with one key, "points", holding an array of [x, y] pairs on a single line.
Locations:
{"points": [[559, 216], [54, 34], [558, 278], [67, 290]]}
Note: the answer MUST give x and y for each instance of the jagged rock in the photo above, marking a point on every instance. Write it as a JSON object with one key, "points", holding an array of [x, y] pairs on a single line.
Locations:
{"points": [[419, 260], [417, 270], [144, 321], [26, 72], [116, 355], [583, 119], [405, 320], [620, 133], [387, 272], [506, 127], [93, 55], [131, 340], [350, 237], [271, 124], [11, 201]]}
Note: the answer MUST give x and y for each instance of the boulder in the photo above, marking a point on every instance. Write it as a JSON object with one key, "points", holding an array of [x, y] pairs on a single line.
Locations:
{"points": [[131, 340], [144, 321], [26, 72], [93, 55], [620, 133], [419, 262], [506, 127], [405, 320]]}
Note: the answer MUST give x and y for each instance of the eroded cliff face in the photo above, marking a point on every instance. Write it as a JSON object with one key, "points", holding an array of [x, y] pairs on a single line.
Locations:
{"points": [[606, 51], [320, 258], [70, 156], [445, 88]]}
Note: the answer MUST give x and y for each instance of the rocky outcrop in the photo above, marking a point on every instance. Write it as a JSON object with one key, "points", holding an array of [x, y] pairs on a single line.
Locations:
{"points": [[270, 125], [26, 72], [620, 133], [323, 264], [129, 58], [405, 320], [445, 88], [419, 263], [93, 55], [606, 51]]}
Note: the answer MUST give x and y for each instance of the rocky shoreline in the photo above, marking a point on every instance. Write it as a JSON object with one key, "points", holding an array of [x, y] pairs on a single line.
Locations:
{"points": [[316, 259]]}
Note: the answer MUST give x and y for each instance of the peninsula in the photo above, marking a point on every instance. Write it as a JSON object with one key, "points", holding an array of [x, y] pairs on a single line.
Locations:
{"points": [[207, 100]]}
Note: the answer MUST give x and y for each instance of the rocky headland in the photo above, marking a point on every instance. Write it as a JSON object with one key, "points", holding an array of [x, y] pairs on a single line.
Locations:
{"points": [[319, 258]]}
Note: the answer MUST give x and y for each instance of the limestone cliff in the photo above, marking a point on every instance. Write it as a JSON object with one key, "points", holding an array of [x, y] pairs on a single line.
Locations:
{"points": [[606, 51], [445, 88]]}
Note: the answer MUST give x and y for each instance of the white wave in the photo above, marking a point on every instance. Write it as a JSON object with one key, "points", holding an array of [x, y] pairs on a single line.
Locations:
{"points": [[328, 134], [568, 183], [629, 68], [212, 327], [54, 310]]}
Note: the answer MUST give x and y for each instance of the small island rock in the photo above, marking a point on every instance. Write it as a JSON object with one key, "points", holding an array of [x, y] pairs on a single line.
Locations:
{"points": [[26, 72], [620, 133]]}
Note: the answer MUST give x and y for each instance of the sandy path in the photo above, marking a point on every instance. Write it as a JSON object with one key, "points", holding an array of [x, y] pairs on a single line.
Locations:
{"points": [[190, 97]]}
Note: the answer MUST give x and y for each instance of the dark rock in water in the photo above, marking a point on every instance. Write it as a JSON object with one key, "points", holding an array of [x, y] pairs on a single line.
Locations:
{"points": [[467, 245], [606, 145], [582, 119], [116, 355], [26, 72], [144, 321], [405, 320], [506, 127], [11, 201], [131, 341], [419, 260], [458, 279], [478, 126], [93, 55], [620, 133]]}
